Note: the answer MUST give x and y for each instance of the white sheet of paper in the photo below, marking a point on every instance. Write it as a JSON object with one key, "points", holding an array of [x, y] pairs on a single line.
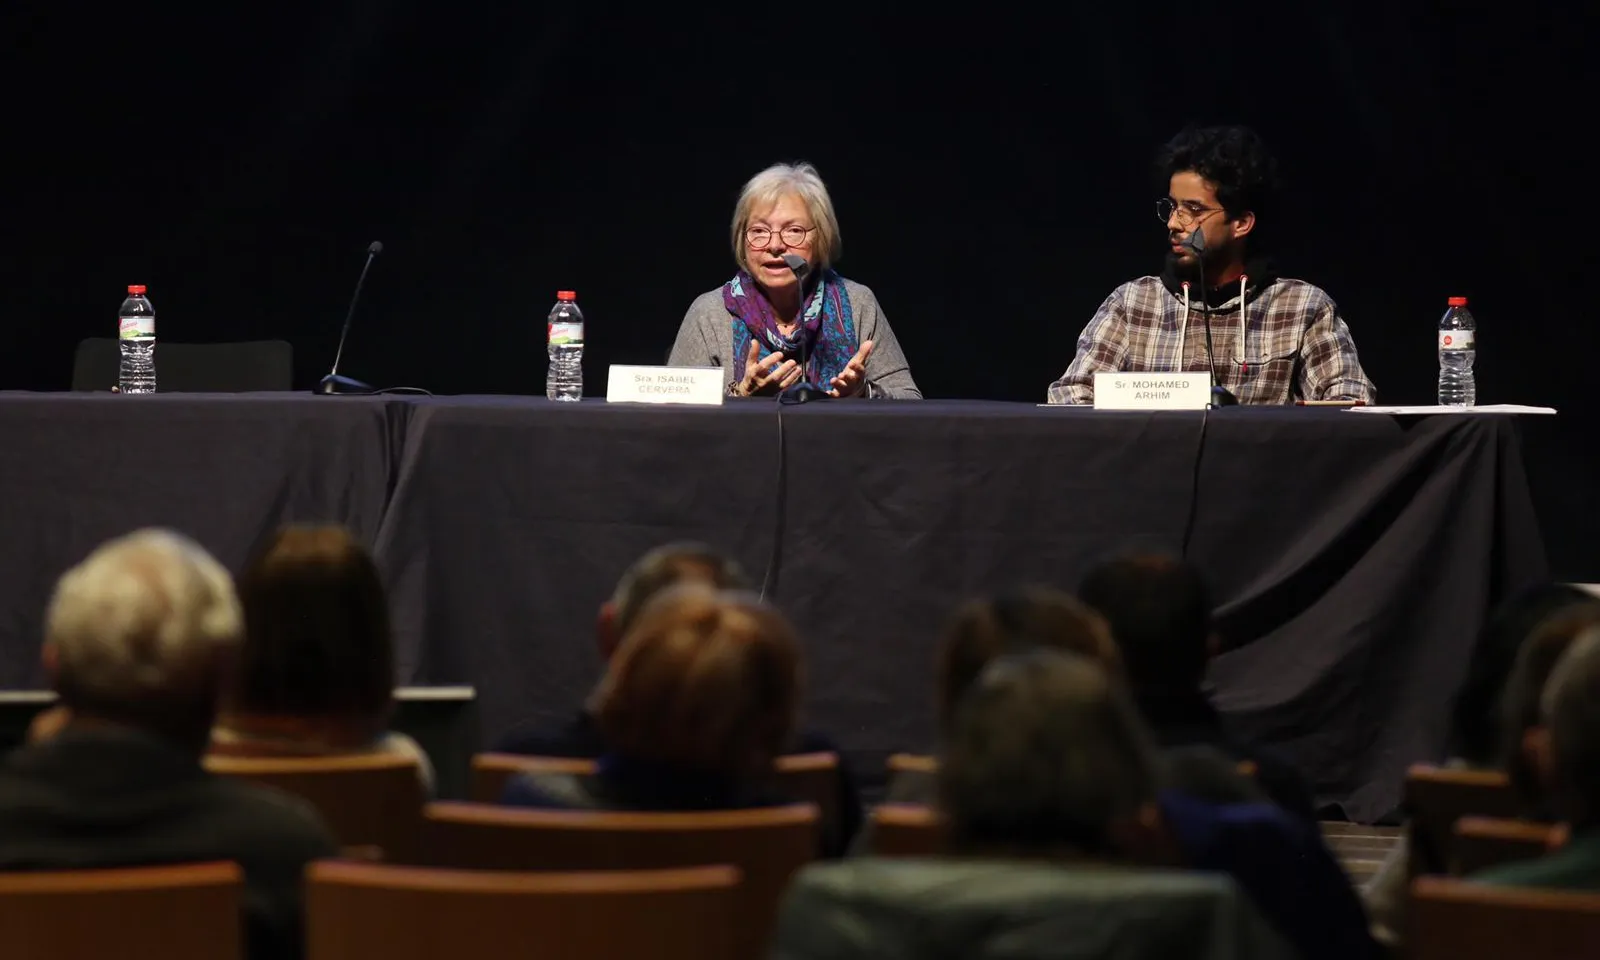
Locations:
{"points": [[1455, 411]]}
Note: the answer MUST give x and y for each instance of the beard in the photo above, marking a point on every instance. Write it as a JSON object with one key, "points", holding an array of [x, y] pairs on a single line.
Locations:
{"points": [[1184, 266]]}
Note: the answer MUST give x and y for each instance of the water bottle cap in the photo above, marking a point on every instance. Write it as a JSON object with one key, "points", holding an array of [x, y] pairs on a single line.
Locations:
{"points": [[566, 295], [1458, 301], [137, 289]]}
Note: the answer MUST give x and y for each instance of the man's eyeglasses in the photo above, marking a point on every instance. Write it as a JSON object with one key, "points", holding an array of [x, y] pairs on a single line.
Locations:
{"points": [[793, 235], [1187, 213]]}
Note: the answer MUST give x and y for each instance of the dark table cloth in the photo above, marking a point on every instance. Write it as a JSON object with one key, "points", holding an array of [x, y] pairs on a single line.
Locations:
{"points": [[1353, 556]]}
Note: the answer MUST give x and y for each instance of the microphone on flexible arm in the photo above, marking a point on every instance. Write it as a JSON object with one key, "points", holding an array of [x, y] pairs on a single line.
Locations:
{"points": [[333, 384], [805, 391], [1220, 396]]}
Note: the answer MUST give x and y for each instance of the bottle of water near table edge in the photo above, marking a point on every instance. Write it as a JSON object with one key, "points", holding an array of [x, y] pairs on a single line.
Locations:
{"points": [[1458, 348], [136, 333], [565, 334]]}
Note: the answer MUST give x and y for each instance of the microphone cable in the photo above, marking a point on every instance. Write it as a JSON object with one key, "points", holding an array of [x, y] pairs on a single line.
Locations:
{"points": [[769, 579], [1192, 514]]}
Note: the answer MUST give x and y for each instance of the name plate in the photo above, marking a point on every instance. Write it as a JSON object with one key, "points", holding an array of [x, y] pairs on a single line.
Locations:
{"points": [[696, 385], [1151, 391]]}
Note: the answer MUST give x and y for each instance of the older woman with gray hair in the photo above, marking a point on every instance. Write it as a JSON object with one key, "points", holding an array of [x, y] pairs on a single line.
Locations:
{"points": [[774, 326]]}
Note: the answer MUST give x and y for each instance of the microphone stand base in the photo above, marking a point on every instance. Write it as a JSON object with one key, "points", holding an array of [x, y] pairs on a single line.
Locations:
{"points": [[1220, 397], [334, 385], [802, 393]]}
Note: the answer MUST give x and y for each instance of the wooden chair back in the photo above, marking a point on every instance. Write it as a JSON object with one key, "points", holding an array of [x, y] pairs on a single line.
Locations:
{"points": [[1479, 843], [492, 771], [1436, 797], [907, 830], [928, 764], [913, 763], [182, 912], [767, 845], [366, 912], [1457, 920], [366, 799], [812, 778], [801, 777]]}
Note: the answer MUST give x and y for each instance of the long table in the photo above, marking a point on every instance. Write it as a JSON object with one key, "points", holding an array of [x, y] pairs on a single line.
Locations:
{"points": [[1354, 557]]}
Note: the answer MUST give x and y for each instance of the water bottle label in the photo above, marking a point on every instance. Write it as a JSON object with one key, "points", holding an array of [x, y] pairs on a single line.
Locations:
{"points": [[1456, 340], [137, 328], [564, 334]]}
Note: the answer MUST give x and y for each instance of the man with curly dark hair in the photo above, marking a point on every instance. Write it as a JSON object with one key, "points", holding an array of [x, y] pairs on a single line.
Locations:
{"points": [[1276, 340]]}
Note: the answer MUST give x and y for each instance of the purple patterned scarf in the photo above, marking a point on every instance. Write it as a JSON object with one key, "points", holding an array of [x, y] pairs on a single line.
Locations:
{"points": [[826, 327]]}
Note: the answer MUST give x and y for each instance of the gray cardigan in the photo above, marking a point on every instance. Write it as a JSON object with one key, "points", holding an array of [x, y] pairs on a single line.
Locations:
{"points": [[706, 338]]}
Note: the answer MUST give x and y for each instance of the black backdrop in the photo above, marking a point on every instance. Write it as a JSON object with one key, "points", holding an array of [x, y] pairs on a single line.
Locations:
{"points": [[991, 171]]}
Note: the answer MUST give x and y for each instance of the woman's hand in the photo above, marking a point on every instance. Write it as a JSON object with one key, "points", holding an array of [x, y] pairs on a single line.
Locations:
{"points": [[853, 378], [766, 376]]}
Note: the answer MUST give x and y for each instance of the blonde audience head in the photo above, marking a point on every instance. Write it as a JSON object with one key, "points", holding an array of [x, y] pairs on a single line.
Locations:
{"points": [[706, 681]]}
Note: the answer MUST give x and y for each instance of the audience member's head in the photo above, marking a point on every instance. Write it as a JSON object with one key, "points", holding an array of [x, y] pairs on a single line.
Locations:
{"points": [[705, 681], [1015, 622], [141, 634], [1571, 710], [666, 566], [317, 641], [1521, 715], [1476, 728], [1159, 610], [1046, 756]]}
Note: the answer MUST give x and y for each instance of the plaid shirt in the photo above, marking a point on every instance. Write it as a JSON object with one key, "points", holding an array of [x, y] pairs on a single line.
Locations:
{"points": [[1292, 346]]}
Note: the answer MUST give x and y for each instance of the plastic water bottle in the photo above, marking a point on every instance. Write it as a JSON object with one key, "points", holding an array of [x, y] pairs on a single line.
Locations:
{"points": [[1458, 348], [565, 332], [136, 330]]}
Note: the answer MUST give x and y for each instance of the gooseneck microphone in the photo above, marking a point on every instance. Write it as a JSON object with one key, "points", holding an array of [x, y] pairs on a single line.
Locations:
{"points": [[804, 391], [1220, 396], [333, 384]]}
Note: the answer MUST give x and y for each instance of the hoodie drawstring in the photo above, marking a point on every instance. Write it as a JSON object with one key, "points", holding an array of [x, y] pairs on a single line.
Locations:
{"points": [[1183, 327], [1244, 322]]}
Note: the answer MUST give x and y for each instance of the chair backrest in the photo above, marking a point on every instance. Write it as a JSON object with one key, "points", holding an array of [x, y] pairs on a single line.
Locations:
{"points": [[913, 763], [366, 799], [1458, 920], [925, 763], [357, 911], [186, 912], [1436, 797], [802, 777], [239, 367], [907, 830], [812, 778], [767, 845], [491, 771], [1483, 842]]}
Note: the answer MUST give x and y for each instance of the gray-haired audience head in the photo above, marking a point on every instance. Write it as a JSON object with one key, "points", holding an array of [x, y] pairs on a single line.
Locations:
{"points": [[1571, 707], [667, 566], [141, 634], [1046, 756]]}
